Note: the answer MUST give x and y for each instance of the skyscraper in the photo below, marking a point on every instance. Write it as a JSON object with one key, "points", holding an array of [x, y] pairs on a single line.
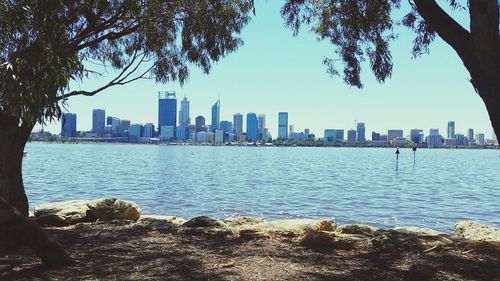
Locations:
{"points": [[184, 119], [451, 129], [417, 135], [262, 125], [98, 121], [68, 125], [226, 126], [252, 127], [216, 115], [283, 125], [200, 123], [351, 135], [167, 110], [360, 130], [470, 135], [238, 124]]}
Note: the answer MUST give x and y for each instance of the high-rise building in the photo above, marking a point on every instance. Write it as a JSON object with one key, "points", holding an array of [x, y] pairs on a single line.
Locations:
{"points": [[98, 121], [360, 130], [417, 135], [375, 136], [340, 135], [238, 124], [262, 126], [394, 134], [283, 125], [184, 119], [470, 135], [216, 115], [351, 135], [451, 129], [434, 132], [68, 125], [461, 140], [135, 130], [124, 125], [200, 123], [226, 126], [167, 110], [149, 130], [330, 135], [115, 125], [252, 127], [480, 139]]}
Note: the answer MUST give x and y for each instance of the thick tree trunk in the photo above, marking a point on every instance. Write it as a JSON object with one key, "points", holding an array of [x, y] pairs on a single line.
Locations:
{"points": [[13, 138], [17, 231], [478, 48]]}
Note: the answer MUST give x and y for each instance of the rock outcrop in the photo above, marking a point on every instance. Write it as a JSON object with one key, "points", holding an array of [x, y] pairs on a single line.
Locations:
{"points": [[475, 231], [76, 211]]}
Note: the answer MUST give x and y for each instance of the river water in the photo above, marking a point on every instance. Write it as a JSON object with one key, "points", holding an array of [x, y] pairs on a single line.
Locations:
{"points": [[358, 185]]}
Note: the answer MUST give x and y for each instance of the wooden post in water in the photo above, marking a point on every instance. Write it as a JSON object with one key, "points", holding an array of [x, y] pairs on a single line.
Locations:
{"points": [[397, 158], [414, 151]]}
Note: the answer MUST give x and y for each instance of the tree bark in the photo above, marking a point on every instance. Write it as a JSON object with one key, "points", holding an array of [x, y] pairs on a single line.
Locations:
{"points": [[13, 138], [17, 231], [478, 48]]}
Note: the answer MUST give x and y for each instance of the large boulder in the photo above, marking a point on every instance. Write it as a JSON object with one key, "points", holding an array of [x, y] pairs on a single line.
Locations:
{"points": [[161, 222], [242, 220], [359, 229], [285, 228], [204, 221], [76, 211], [64, 213], [109, 209], [475, 231]]}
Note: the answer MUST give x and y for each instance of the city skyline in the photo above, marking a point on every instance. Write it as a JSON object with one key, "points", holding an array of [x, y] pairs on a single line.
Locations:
{"points": [[276, 72]]}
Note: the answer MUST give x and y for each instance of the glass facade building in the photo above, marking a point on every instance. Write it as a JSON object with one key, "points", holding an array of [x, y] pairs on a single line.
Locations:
{"points": [[283, 125], [238, 124], [184, 118], [98, 121], [252, 127], [68, 125], [167, 110], [360, 130], [216, 115], [451, 129]]}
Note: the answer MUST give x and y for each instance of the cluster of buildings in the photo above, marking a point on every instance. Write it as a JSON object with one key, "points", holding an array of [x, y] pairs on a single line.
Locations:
{"points": [[395, 137], [176, 125]]}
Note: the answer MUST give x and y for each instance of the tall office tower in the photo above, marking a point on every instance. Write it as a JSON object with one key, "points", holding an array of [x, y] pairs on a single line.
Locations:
{"points": [[283, 125], [375, 136], [115, 125], [148, 130], [351, 135], [360, 130], [167, 110], [470, 135], [480, 139], [394, 134], [98, 121], [109, 120], [340, 135], [262, 125], [417, 135], [252, 127], [238, 124], [68, 125], [135, 130], [184, 119], [451, 129], [433, 132], [330, 135], [200, 123], [216, 115], [226, 126]]}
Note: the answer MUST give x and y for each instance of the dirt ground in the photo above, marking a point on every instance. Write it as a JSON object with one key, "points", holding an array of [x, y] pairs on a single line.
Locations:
{"points": [[114, 252]]}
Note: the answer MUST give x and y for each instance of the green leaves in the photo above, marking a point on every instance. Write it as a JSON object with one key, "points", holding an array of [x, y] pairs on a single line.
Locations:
{"points": [[46, 44]]}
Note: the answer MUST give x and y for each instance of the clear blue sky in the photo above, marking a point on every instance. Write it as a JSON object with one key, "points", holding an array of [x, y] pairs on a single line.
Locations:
{"points": [[274, 71]]}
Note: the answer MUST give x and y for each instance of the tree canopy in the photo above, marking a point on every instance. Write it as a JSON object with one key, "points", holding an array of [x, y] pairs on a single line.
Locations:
{"points": [[46, 44]]}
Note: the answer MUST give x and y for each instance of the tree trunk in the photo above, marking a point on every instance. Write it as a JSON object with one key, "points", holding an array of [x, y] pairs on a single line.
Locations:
{"points": [[16, 231], [13, 138]]}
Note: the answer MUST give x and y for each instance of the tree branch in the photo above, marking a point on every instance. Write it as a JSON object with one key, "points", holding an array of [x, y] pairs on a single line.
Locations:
{"points": [[446, 27]]}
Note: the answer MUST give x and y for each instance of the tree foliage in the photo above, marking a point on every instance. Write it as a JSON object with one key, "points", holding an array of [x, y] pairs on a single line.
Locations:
{"points": [[361, 30], [46, 44]]}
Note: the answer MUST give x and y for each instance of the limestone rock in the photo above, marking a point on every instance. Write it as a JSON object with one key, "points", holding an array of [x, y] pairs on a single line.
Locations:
{"points": [[64, 213], [360, 229], [161, 222], [320, 240], [418, 230], [76, 211], [242, 220], [286, 228], [204, 221], [475, 231], [114, 209]]}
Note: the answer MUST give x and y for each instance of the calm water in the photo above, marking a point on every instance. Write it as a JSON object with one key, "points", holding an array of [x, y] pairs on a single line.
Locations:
{"points": [[348, 184]]}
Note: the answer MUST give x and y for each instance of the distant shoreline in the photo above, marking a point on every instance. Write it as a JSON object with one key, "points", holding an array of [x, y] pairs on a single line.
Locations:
{"points": [[312, 144]]}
